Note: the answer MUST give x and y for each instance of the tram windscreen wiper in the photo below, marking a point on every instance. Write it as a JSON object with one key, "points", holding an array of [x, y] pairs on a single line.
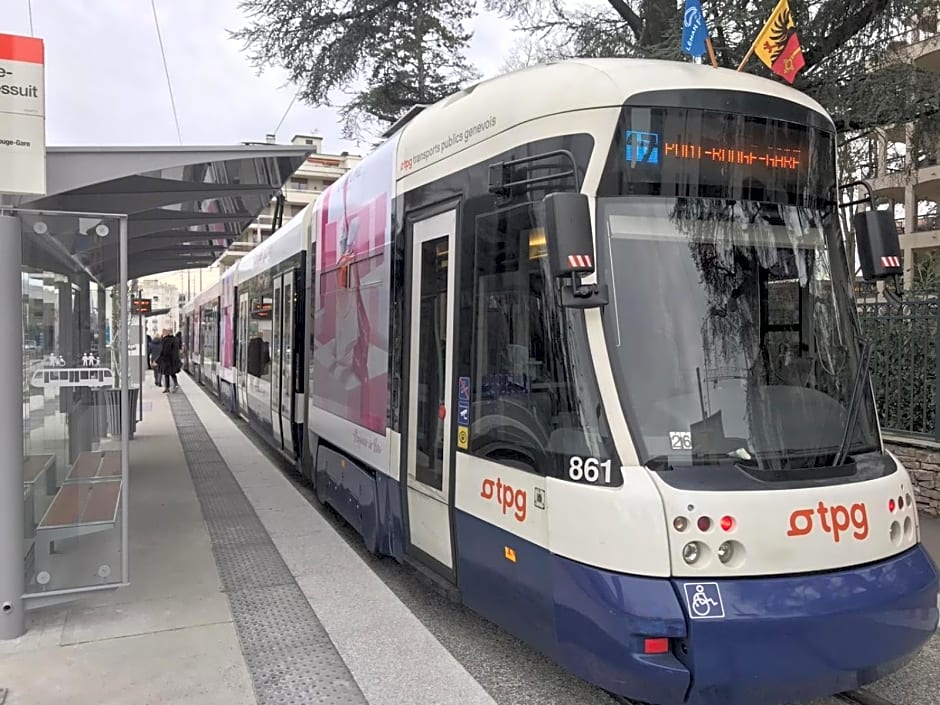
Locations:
{"points": [[854, 401]]}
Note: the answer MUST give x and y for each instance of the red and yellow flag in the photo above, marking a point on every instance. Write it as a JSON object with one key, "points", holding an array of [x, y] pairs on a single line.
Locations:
{"points": [[777, 44]]}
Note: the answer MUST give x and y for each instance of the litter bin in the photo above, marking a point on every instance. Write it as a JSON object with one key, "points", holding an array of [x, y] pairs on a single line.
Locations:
{"points": [[112, 402]]}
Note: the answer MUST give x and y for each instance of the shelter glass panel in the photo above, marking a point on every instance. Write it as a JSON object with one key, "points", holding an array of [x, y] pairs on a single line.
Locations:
{"points": [[76, 377]]}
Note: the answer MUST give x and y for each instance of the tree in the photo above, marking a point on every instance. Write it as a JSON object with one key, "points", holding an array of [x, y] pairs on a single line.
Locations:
{"points": [[406, 51], [412, 51]]}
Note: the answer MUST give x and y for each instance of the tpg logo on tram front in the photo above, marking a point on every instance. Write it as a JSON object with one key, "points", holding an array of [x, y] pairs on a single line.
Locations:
{"points": [[836, 519]]}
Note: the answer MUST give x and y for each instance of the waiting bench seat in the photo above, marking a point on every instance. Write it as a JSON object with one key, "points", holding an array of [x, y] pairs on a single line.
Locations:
{"points": [[35, 466], [78, 504], [95, 465], [39, 466], [86, 503]]}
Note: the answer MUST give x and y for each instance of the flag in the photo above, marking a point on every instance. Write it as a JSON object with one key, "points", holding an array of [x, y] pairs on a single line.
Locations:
{"points": [[694, 29], [777, 44]]}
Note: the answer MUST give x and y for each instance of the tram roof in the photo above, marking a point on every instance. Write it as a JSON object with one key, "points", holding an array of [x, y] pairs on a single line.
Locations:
{"points": [[185, 205], [509, 100]]}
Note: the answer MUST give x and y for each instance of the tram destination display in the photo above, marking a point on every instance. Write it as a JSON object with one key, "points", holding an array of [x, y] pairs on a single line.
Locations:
{"points": [[691, 152]]}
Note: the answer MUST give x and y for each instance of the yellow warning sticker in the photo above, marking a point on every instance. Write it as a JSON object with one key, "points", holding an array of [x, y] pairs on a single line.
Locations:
{"points": [[510, 554], [463, 437]]}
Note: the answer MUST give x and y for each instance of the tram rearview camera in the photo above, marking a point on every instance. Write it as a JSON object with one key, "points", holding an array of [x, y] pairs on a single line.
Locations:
{"points": [[569, 239], [879, 249]]}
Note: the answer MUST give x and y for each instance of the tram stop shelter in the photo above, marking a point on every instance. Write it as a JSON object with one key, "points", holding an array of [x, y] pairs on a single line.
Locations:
{"points": [[109, 216]]}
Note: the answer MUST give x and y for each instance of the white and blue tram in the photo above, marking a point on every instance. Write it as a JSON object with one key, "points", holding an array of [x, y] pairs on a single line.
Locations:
{"points": [[580, 341]]}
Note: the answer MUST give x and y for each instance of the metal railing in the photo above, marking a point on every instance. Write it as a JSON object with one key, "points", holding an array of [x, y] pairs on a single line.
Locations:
{"points": [[904, 360]]}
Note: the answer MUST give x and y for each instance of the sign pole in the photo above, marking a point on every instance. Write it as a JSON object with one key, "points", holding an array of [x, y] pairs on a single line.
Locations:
{"points": [[12, 573], [140, 335], [22, 171]]}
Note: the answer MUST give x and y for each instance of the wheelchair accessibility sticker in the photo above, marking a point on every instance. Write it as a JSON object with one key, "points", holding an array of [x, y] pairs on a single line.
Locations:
{"points": [[704, 601]]}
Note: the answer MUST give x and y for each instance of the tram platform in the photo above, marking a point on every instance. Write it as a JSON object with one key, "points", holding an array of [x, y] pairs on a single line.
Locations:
{"points": [[244, 592]]}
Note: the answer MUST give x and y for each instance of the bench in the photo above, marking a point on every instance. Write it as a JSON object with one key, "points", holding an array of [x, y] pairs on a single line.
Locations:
{"points": [[39, 466], [80, 507], [95, 465], [35, 468]]}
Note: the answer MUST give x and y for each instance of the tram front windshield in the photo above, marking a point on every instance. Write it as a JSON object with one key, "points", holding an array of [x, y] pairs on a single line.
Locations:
{"points": [[730, 326]]}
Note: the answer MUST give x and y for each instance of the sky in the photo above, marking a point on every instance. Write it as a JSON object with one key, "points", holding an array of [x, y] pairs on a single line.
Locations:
{"points": [[105, 82]]}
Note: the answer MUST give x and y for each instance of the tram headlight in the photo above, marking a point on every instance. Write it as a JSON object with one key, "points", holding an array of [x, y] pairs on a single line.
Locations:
{"points": [[726, 552], [680, 523], [691, 552]]}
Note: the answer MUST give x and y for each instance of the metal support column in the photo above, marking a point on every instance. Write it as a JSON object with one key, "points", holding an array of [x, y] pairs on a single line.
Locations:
{"points": [[12, 566], [104, 352], [143, 353], [125, 398]]}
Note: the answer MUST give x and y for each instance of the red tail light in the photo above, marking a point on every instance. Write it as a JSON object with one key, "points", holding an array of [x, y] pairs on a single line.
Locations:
{"points": [[891, 505], [727, 523], [658, 645]]}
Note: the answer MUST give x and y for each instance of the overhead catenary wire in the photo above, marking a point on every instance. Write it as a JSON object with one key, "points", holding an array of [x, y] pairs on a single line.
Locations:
{"points": [[29, 11], [284, 116], [166, 70]]}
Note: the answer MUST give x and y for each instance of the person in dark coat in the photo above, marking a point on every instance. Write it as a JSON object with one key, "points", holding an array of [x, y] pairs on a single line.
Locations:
{"points": [[153, 352], [168, 362]]}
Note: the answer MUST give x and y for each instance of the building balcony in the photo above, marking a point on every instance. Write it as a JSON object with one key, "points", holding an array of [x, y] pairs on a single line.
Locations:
{"points": [[924, 54], [300, 197], [925, 181], [926, 234]]}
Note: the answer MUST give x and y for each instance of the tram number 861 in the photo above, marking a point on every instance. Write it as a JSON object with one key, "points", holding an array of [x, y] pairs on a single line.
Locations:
{"points": [[590, 470]]}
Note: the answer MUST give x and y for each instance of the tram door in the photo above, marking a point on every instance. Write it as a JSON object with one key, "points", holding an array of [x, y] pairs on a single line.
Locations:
{"points": [[428, 444], [277, 339], [286, 384], [282, 361], [241, 360]]}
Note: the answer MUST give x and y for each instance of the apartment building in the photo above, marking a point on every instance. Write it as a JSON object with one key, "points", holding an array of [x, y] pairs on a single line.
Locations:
{"points": [[906, 168], [164, 303]]}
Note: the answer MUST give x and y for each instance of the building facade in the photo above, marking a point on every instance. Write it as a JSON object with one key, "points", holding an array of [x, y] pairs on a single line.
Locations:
{"points": [[164, 303], [905, 171]]}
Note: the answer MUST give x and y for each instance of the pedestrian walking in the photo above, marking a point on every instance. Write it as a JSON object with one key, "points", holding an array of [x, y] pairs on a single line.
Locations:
{"points": [[168, 361]]}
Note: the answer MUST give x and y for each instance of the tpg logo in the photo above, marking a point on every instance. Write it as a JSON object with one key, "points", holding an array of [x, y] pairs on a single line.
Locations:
{"points": [[835, 519], [642, 147], [506, 496]]}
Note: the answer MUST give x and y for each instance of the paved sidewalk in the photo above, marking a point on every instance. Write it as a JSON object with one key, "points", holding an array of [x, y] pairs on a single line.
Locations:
{"points": [[168, 638]]}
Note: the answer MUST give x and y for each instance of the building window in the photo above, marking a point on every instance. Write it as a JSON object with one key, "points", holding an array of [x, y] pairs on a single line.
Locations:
{"points": [[298, 184]]}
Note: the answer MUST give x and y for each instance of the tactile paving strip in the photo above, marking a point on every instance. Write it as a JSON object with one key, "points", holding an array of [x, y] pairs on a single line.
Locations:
{"points": [[290, 657]]}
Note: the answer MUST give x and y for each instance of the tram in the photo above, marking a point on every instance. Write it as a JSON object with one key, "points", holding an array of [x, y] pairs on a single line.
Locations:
{"points": [[579, 340]]}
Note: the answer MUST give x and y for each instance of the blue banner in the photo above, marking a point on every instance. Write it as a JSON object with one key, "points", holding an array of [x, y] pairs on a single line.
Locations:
{"points": [[694, 29]]}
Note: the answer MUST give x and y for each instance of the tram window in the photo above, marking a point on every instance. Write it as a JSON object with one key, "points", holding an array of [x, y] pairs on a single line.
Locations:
{"points": [[259, 336], [210, 341], [530, 406], [242, 336], [432, 352]]}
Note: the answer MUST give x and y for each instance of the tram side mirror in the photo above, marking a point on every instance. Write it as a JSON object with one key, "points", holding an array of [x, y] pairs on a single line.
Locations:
{"points": [[569, 239], [879, 248]]}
